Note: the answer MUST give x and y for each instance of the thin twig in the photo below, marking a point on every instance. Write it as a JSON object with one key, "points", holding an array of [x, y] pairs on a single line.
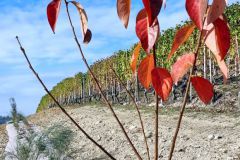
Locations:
{"points": [[199, 43], [98, 85], [58, 104], [156, 110], [137, 109]]}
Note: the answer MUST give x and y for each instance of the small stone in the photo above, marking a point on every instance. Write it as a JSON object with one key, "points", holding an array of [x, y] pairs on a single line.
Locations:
{"points": [[98, 138], [138, 102], [184, 137], [230, 158], [149, 135], [98, 122], [211, 137], [182, 150], [197, 146], [113, 131], [160, 156], [217, 136], [223, 150], [132, 127], [109, 138], [151, 105]]}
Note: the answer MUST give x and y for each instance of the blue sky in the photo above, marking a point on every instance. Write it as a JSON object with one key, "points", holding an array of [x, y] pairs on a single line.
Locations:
{"points": [[56, 56]]}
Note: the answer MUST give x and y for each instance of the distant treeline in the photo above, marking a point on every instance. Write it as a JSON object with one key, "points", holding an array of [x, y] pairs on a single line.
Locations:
{"points": [[81, 86], [4, 119]]}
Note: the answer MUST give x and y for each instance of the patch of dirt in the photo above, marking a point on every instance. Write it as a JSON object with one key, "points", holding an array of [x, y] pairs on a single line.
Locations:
{"points": [[3, 139], [202, 136]]}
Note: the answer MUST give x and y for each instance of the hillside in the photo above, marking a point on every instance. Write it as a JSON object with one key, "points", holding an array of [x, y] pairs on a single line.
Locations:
{"points": [[81, 89]]}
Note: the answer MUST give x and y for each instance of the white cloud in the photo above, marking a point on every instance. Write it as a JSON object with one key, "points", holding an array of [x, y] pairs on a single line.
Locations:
{"points": [[56, 56]]}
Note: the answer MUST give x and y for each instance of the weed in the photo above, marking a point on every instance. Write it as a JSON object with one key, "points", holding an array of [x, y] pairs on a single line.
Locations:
{"points": [[52, 143]]}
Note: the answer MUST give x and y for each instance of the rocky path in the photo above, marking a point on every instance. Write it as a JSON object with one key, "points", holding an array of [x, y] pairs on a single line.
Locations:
{"points": [[12, 141], [203, 136]]}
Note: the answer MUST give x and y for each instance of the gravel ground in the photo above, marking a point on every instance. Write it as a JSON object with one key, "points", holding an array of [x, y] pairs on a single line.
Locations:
{"points": [[203, 136], [3, 139]]}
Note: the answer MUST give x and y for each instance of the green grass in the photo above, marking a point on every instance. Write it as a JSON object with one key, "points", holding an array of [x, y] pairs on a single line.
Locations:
{"points": [[54, 143]]}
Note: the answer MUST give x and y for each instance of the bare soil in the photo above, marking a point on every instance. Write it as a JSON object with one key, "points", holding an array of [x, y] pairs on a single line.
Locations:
{"points": [[3, 139], [203, 135]]}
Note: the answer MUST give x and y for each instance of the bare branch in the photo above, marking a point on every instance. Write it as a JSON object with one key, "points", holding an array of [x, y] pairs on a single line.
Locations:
{"points": [[156, 110], [58, 104], [199, 43], [137, 109], [98, 85]]}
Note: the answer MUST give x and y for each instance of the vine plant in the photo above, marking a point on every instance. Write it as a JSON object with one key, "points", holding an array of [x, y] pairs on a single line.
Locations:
{"points": [[213, 31]]}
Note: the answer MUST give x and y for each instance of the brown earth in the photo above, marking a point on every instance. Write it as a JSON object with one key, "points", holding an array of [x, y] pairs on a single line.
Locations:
{"points": [[3, 139], [203, 135]]}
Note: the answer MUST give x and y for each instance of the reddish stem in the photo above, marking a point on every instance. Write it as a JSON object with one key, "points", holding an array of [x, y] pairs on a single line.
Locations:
{"points": [[137, 109], [98, 85], [58, 104], [199, 43], [156, 110]]}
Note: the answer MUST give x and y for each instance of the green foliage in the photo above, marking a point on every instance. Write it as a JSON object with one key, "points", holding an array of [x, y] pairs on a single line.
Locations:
{"points": [[52, 143], [121, 61], [23, 151], [233, 15], [60, 137], [22, 118], [15, 116]]}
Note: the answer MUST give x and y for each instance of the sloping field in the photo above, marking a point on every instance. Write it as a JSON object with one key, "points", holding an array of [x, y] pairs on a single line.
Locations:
{"points": [[203, 135]]}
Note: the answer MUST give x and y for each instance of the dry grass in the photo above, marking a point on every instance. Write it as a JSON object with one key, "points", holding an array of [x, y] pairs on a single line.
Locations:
{"points": [[3, 139]]}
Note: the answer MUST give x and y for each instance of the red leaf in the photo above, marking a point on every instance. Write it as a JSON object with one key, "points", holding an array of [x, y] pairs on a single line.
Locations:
{"points": [[181, 36], [145, 69], [53, 10], [147, 35], [153, 8], [222, 36], [87, 34], [218, 38], [223, 67], [162, 82], [196, 10], [203, 88], [123, 10], [181, 66], [134, 58], [216, 10], [87, 37]]}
